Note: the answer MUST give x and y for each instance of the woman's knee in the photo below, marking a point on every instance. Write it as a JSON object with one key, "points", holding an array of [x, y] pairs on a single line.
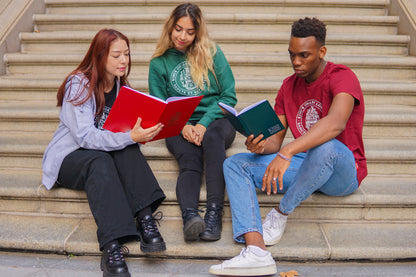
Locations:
{"points": [[219, 132], [102, 160], [190, 162]]}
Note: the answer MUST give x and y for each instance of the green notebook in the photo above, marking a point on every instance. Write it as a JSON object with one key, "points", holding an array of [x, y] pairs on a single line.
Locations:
{"points": [[258, 118]]}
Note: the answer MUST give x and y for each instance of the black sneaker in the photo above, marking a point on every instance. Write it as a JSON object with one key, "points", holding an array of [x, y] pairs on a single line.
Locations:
{"points": [[193, 224], [112, 260], [150, 238], [213, 223]]}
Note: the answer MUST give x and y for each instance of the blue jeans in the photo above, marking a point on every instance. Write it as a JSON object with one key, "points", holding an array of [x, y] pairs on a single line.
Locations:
{"points": [[328, 168]]}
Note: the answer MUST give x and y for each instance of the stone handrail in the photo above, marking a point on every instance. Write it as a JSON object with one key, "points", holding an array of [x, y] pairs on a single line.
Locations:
{"points": [[406, 10], [16, 17]]}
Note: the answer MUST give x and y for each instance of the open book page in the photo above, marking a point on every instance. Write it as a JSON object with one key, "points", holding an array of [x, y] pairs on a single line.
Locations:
{"points": [[176, 98], [234, 111], [146, 94], [252, 106], [258, 118], [228, 108], [170, 99]]}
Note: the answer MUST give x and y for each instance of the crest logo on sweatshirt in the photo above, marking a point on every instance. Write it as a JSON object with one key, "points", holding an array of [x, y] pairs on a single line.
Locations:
{"points": [[308, 114], [182, 82]]}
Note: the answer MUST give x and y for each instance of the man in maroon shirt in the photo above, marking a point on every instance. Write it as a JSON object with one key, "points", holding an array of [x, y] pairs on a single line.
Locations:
{"points": [[322, 104]]}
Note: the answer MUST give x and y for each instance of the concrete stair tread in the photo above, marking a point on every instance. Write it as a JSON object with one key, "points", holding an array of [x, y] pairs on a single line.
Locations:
{"points": [[41, 109], [128, 6], [301, 241], [381, 191], [38, 81], [260, 57], [320, 3], [233, 59], [42, 137], [244, 84], [213, 18], [234, 35], [278, 65]]}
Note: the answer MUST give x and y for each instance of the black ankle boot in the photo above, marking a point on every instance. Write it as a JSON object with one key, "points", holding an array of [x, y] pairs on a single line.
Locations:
{"points": [[112, 260], [193, 224], [150, 238], [213, 223]]}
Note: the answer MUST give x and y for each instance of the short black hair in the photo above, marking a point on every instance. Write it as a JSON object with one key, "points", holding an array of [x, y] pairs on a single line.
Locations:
{"points": [[307, 27]]}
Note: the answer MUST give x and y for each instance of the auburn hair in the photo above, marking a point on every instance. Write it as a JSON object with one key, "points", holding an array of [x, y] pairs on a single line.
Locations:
{"points": [[93, 68]]}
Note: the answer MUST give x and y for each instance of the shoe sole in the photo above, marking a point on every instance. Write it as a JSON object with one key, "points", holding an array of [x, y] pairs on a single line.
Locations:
{"points": [[254, 271], [210, 237], [192, 230], [106, 274], [116, 275], [151, 247]]}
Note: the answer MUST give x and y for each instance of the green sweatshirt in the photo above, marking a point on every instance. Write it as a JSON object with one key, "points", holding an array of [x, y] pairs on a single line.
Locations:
{"points": [[169, 75]]}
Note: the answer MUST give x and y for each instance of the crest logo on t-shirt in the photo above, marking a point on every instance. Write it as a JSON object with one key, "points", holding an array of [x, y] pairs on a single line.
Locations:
{"points": [[308, 114], [99, 121], [182, 82]]}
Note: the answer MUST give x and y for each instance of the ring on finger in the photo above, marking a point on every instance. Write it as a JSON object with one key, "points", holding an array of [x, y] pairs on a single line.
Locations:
{"points": [[274, 179]]}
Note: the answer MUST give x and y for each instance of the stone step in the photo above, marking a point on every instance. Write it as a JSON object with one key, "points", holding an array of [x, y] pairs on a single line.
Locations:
{"points": [[250, 89], [306, 241], [380, 197], [385, 155], [377, 222], [255, 64], [230, 41], [248, 21], [365, 7], [34, 115]]}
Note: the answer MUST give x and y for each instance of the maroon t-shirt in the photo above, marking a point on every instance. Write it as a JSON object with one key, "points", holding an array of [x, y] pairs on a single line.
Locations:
{"points": [[304, 104]]}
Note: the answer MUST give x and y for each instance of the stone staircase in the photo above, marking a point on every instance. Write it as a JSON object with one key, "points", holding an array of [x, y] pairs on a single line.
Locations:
{"points": [[378, 222]]}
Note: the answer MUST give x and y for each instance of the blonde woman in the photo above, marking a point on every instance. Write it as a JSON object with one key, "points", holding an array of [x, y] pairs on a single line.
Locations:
{"points": [[187, 63]]}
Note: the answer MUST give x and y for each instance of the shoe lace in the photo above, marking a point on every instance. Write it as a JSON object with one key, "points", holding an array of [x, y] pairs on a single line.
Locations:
{"points": [[240, 256], [272, 221], [150, 224], [117, 254], [212, 216], [190, 212]]}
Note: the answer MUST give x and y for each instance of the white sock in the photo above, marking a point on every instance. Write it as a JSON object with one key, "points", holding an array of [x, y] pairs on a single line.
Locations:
{"points": [[258, 251]]}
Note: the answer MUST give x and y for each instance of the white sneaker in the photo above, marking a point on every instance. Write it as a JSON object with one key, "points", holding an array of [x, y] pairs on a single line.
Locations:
{"points": [[273, 227], [246, 264]]}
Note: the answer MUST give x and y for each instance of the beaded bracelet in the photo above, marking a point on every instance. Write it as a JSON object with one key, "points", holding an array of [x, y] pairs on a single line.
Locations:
{"points": [[283, 157]]}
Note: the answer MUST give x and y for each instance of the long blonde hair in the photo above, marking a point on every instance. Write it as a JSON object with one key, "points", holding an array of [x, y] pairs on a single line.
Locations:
{"points": [[199, 54]]}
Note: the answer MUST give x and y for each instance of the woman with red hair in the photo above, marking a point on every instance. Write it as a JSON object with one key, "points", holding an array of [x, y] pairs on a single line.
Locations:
{"points": [[110, 167]]}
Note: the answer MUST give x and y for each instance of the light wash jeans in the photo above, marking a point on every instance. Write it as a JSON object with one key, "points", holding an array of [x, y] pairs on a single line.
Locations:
{"points": [[328, 168]]}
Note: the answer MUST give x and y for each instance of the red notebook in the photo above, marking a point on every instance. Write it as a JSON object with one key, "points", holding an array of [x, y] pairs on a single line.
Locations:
{"points": [[131, 104]]}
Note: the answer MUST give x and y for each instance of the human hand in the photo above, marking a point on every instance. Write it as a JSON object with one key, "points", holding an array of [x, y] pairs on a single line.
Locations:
{"points": [[255, 144], [138, 134], [200, 131], [274, 174], [189, 133]]}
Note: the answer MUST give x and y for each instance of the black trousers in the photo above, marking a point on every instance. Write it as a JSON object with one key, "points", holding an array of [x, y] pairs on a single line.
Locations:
{"points": [[118, 185], [218, 137]]}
